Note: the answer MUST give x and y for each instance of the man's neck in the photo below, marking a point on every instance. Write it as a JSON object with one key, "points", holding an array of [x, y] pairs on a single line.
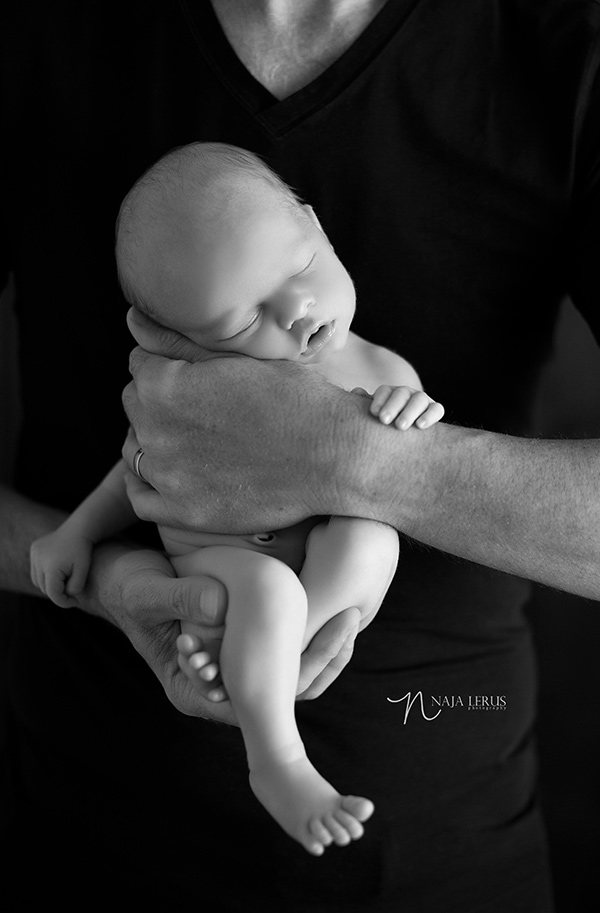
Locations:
{"points": [[285, 44]]}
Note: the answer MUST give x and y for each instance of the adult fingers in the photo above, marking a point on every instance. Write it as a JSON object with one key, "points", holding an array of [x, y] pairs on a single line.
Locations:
{"points": [[327, 654], [130, 448], [129, 452], [155, 598], [147, 503], [154, 376], [200, 599], [159, 340]]}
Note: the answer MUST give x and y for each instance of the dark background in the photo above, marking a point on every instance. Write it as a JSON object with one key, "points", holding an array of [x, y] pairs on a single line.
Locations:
{"points": [[567, 628]]}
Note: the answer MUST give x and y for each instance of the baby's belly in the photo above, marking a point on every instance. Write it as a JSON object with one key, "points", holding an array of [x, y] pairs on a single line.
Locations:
{"points": [[288, 545]]}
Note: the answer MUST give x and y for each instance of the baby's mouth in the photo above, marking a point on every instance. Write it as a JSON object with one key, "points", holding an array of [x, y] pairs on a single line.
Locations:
{"points": [[317, 340]]}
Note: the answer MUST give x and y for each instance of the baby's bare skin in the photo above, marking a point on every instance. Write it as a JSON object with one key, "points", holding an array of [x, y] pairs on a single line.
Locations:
{"points": [[229, 258], [266, 628]]}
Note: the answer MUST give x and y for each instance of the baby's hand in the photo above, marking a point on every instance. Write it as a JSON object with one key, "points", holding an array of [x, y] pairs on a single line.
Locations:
{"points": [[405, 406], [60, 563], [200, 668]]}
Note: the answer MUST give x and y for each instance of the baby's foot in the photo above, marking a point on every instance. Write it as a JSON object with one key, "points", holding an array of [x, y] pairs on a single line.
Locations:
{"points": [[200, 668], [306, 806]]}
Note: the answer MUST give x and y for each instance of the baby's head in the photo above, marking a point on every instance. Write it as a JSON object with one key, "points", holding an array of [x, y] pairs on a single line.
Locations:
{"points": [[212, 243]]}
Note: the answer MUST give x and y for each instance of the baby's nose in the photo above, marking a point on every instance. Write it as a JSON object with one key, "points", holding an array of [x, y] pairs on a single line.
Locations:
{"points": [[294, 309]]}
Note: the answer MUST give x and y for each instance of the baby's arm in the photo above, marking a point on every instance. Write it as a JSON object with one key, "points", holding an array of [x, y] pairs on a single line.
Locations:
{"points": [[60, 561], [349, 562]]}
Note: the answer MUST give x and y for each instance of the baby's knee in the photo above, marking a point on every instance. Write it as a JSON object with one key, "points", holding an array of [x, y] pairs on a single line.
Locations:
{"points": [[358, 529], [274, 583]]}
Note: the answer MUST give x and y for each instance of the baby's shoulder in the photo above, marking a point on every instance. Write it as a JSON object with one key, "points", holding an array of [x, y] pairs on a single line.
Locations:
{"points": [[369, 365]]}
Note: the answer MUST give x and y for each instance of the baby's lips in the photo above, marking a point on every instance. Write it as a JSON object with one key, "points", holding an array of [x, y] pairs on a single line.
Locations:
{"points": [[319, 339]]}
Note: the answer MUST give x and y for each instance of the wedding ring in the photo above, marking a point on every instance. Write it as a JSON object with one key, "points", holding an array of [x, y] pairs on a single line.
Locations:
{"points": [[136, 464]]}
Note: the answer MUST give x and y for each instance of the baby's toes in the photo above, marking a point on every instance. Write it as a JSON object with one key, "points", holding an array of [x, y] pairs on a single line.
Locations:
{"points": [[358, 807], [209, 673], [320, 832], [340, 835], [187, 644], [350, 823], [199, 661]]}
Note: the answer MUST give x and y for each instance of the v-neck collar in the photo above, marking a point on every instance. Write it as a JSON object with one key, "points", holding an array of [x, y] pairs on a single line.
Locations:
{"points": [[279, 116]]}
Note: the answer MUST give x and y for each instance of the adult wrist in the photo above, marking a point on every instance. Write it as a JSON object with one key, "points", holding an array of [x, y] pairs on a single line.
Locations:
{"points": [[395, 477], [362, 473]]}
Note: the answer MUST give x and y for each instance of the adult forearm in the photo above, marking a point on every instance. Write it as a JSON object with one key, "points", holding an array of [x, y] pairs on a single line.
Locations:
{"points": [[218, 460], [528, 507], [21, 521]]}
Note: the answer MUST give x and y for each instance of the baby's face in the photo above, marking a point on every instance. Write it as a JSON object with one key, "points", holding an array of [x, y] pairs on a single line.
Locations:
{"points": [[263, 282]]}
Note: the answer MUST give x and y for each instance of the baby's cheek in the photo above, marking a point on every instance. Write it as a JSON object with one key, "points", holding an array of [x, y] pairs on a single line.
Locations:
{"points": [[271, 344]]}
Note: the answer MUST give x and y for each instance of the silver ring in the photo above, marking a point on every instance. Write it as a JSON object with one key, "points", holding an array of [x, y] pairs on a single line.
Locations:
{"points": [[136, 464]]}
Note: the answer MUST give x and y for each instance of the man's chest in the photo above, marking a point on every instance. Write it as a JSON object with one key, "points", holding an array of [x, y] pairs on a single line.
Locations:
{"points": [[287, 49]]}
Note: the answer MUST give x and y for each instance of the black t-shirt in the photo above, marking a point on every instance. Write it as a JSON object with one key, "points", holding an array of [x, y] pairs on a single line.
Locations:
{"points": [[452, 157]]}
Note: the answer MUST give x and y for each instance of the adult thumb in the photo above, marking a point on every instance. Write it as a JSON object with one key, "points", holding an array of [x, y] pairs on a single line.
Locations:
{"points": [[198, 599]]}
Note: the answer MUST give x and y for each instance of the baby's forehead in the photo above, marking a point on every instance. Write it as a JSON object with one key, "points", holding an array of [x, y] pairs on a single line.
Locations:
{"points": [[192, 210], [249, 192]]}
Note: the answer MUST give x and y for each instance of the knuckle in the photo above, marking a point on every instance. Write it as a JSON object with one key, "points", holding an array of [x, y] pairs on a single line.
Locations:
{"points": [[137, 358], [136, 598], [179, 597], [128, 397]]}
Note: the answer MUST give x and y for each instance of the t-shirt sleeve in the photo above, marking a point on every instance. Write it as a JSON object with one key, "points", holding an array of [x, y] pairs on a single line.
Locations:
{"points": [[584, 224]]}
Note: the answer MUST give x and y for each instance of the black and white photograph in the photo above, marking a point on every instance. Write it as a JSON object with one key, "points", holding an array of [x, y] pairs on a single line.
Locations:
{"points": [[300, 449]]}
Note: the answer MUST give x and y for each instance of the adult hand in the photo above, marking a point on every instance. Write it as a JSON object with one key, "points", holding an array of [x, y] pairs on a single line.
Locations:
{"points": [[233, 444], [327, 654], [138, 591]]}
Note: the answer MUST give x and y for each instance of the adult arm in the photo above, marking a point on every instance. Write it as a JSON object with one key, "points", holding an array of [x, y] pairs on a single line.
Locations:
{"points": [[132, 588], [527, 507], [136, 590]]}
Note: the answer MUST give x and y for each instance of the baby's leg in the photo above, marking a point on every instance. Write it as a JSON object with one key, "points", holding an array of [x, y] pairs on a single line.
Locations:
{"points": [[260, 661], [349, 562]]}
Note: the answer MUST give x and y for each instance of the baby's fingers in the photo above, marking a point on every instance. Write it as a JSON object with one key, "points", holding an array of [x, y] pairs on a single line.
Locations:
{"points": [[36, 577], [416, 406], [76, 582], [388, 402], [54, 588], [434, 413], [37, 565], [380, 397]]}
